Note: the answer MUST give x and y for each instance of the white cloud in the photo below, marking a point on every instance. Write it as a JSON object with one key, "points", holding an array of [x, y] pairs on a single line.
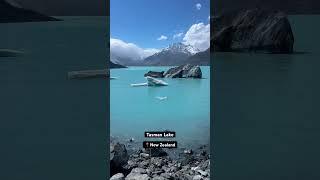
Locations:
{"points": [[119, 48], [162, 37], [198, 6], [177, 35], [198, 36]]}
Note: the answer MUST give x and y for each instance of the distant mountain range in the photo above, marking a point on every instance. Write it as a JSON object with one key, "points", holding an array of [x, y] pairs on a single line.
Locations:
{"points": [[174, 55], [124, 61], [114, 65], [200, 58], [10, 11]]}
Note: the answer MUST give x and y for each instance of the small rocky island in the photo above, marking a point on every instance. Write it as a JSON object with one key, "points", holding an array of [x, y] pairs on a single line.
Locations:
{"points": [[87, 74], [10, 53], [183, 71], [97, 73], [253, 30], [147, 164]]}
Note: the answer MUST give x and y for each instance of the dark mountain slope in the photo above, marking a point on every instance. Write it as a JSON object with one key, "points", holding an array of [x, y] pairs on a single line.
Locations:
{"points": [[287, 6], [10, 13], [201, 58], [114, 65], [173, 55]]}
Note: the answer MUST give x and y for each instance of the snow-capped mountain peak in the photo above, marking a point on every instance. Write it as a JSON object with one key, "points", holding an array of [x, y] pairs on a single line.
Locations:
{"points": [[180, 47]]}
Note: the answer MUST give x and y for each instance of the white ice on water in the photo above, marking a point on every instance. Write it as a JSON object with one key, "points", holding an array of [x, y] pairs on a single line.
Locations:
{"points": [[151, 82]]}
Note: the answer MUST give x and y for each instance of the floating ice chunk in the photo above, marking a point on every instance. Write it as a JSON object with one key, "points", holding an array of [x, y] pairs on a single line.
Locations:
{"points": [[162, 97], [155, 82], [151, 82], [139, 84]]}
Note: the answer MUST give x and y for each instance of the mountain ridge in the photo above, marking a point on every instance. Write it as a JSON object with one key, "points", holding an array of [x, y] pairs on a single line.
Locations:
{"points": [[174, 54], [290, 7], [11, 12]]}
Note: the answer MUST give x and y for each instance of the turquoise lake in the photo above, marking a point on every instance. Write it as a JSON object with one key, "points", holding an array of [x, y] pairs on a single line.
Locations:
{"points": [[266, 110], [46, 119], [134, 110]]}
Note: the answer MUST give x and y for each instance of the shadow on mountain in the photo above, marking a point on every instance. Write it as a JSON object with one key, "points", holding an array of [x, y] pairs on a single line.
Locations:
{"points": [[10, 13]]}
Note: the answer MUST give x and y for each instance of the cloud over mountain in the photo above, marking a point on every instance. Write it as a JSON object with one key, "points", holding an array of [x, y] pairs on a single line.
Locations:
{"points": [[198, 36], [122, 49]]}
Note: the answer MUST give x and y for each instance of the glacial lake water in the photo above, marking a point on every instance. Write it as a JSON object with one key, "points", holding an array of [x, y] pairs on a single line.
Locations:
{"points": [[52, 127], [186, 110], [266, 108]]}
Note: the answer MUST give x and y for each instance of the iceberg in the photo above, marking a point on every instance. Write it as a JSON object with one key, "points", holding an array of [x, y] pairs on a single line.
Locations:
{"points": [[162, 98], [151, 81]]}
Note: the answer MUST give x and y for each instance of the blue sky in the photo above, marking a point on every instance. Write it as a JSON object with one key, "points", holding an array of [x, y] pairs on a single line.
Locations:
{"points": [[142, 22]]}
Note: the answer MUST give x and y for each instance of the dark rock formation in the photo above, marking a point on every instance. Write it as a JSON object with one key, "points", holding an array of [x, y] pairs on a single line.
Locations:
{"points": [[10, 13], [252, 30], [87, 74], [287, 6], [118, 158], [193, 72], [141, 166], [175, 72], [9, 53], [155, 74], [184, 71], [156, 152]]}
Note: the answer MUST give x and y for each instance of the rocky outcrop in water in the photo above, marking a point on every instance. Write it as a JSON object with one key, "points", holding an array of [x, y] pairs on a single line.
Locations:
{"points": [[11, 13], [10, 53], [87, 74], [142, 165], [98, 73], [155, 74], [252, 31], [184, 71]]}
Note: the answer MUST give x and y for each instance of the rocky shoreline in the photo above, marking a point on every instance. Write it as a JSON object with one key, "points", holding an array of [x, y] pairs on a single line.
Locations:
{"points": [[129, 163]]}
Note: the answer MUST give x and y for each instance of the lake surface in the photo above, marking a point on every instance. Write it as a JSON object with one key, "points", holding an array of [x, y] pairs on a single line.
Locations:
{"points": [[51, 127], [136, 109], [266, 108]]}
